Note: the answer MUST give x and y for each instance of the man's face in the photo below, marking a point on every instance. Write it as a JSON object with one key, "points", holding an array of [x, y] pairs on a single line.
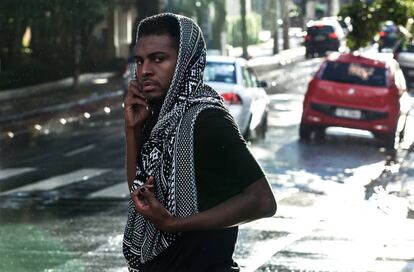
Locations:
{"points": [[156, 57]]}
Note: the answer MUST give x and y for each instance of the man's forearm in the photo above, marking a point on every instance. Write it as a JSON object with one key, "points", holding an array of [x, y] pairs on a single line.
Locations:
{"points": [[132, 146], [256, 201]]}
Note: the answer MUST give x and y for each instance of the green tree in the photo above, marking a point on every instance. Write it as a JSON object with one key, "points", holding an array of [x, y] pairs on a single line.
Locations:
{"points": [[145, 8], [366, 18], [61, 32], [199, 10]]}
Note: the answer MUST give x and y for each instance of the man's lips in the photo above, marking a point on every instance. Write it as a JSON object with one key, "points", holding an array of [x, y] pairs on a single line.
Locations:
{"points": [[149, 86]]}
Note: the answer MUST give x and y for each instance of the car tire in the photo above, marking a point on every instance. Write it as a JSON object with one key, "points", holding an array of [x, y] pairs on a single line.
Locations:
{"points": [[262, 128], [387, 140], [247, 135], [305, 132]]}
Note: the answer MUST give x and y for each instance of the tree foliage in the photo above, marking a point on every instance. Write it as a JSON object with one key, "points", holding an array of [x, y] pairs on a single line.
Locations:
{"points": [[59, 29], [200, 11], [367, 17]]}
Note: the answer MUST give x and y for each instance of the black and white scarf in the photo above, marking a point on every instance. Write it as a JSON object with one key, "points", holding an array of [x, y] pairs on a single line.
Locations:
{"points": [[168, 153]]}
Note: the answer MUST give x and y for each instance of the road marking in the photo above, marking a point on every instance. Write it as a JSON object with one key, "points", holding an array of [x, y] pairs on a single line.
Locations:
{"points": [[116, 191], [79, 150], [263, 251], [61, 180], [266, 249], [10, 172]]}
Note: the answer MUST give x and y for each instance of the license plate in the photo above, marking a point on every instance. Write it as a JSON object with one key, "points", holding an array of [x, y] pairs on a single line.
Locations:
{"points": [[347, 113], [319, 38]]}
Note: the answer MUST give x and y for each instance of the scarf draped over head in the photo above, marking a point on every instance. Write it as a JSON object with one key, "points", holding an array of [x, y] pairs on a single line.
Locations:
{"points": [[168, 153]]}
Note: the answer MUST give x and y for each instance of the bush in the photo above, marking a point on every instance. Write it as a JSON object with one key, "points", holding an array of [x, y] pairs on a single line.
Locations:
{"points": [[29, 72]]}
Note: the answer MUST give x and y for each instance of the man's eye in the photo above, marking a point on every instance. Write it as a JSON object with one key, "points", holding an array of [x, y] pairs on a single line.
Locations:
{"points": [[139, 62], [158, 60]]}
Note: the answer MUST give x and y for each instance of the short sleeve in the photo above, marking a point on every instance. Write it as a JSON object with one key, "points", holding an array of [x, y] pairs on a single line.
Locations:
{"points": [[224, 165]]}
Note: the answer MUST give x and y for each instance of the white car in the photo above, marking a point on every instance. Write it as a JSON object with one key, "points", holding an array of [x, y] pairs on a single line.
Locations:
{"points": [[404, 54], [243, 93]]}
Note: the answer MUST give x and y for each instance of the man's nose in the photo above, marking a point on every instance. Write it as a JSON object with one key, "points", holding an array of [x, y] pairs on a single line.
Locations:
{"points": [[146, 68]]}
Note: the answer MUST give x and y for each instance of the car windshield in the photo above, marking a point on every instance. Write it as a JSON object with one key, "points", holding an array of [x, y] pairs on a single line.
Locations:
{"points": [[354, 73], [320, 30], [220, 72]]}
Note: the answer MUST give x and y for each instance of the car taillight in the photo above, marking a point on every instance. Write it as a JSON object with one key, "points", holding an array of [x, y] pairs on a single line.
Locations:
{"points": [[332, 35], [232, 98], [308, 38], [382, 34]]}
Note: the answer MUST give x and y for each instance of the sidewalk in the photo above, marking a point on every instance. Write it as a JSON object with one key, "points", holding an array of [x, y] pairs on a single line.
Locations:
{"points": [[23, 106], [53, 97]]}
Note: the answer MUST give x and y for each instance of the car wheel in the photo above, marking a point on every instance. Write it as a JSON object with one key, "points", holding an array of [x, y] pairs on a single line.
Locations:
{"points": [[319, 132], [262, 128], [305, 132], [247, 135], [388, 140]]}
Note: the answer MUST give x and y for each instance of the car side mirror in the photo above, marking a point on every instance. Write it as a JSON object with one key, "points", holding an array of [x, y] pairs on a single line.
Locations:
{"points": [[262, 83]]}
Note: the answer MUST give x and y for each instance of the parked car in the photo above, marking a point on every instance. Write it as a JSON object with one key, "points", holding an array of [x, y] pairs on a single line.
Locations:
{"points": [[243, 93], [404, 54], [388, 37], [353, 91], [338, 21], [323, 36]]}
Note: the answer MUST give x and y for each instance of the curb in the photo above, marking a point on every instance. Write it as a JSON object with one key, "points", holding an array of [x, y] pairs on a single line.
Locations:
{"points": [[275, 61], [59, 107], [45, 87]]}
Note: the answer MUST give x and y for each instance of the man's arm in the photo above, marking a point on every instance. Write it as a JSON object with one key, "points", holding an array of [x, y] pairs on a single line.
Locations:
{"points": [[254, 202], [135, 114], [131, 142]]}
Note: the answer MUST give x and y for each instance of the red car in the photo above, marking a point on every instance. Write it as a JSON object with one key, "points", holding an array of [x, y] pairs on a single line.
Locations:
{"points": [[353, 91]]}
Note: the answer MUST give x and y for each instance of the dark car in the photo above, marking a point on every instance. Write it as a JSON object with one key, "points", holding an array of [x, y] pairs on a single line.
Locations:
{"points": [[357, 92], [388, 37], [321, 37]]}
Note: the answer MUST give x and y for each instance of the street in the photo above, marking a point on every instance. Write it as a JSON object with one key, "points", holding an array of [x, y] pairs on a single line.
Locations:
{"points": [[63, 192]]}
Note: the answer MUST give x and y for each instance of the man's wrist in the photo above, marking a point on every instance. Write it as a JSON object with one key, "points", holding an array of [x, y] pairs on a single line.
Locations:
{"points": [[133, 129], [175, 225]]}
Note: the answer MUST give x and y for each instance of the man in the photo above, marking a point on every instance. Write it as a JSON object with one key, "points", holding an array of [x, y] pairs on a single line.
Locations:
{"points": [[191, 175]]}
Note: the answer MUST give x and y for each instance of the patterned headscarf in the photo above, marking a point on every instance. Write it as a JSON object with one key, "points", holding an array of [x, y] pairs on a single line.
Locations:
{"points": [[168, 153]]}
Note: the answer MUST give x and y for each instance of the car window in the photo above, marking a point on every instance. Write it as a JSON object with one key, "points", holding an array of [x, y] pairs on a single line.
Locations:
{"points": [[220, 72], [320, 30], [354, 73], [248, 79], [408, 48], [253, 77]]}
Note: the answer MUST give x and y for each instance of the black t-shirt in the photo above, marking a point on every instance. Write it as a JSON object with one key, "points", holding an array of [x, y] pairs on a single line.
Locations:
{"points": [[224, 167]]}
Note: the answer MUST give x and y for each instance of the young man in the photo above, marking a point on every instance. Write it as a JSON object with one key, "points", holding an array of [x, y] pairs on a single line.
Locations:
{"points": [[191, 175]]}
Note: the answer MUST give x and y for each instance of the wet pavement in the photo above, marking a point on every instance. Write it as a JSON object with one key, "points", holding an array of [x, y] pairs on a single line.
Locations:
{"points": [[321, 223], [23, 107]]}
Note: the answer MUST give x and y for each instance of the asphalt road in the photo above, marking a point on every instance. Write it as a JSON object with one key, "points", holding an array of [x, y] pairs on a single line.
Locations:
{"points": [[63, 193]]}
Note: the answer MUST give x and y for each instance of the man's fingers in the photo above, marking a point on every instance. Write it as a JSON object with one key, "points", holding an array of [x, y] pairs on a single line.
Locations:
{"points": [[139, 204], [133, 89], [148, 195], [150, 180], [131, 101]]}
